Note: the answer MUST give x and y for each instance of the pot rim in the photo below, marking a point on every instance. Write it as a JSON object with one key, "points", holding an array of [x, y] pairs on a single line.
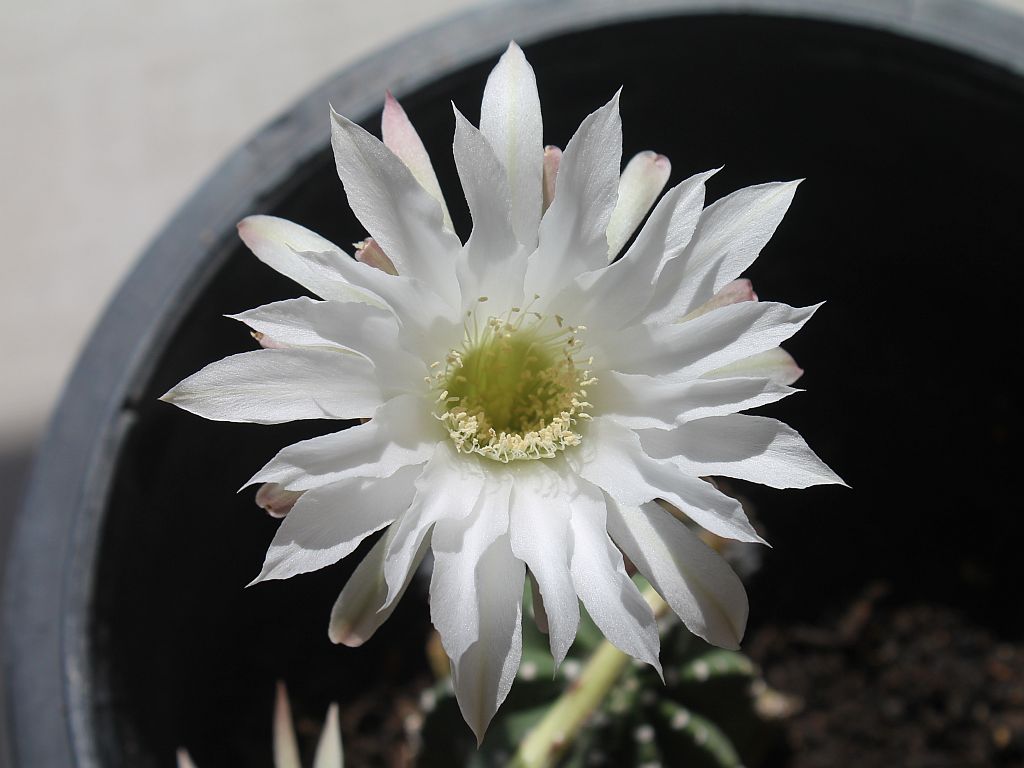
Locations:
{"points": [[47, 717]]}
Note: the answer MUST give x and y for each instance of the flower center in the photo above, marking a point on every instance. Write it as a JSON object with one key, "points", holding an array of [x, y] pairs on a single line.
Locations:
{"points": [[516, 389]]}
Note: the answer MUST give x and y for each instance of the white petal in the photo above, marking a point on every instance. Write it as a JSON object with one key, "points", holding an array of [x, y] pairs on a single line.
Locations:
{"points": [[510, 118], [572, 232], [614, 295], [729, 236], [362, 605], [184, 759], [752, 448], [612, 458], [283, 245], [329, 750], [649, 402], [476, 594], [271, 386], [642, 180], [328, 523], [775, 364], [539, 533], [397, 212], [686, 216], [304, 322], [694, 579], [368, 331], [426, 319], [401, 138], [449, 488], [491, 264], [402, 432], [599, 575], [286, 747], [690, 349]]}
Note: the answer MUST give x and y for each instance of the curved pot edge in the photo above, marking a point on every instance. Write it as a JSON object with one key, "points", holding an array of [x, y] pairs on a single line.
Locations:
{"points": [[46, 680]]}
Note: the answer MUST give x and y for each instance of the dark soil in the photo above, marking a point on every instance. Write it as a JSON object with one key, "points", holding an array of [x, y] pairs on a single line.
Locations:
{"points": [[915, 685]]}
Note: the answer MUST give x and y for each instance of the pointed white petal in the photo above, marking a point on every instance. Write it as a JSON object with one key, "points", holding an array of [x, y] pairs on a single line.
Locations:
{"points": [[362, 605], [572, 232], [329, 750], [539, 534], [271, 386], [510, 118], [449, 488], [599, 574], [690, 349], [476, 594], [650, 402], [402, 432], [552, 158], [775, 364], [184, 759], [642, 180], [397, 212], [694, 579], [328, 523], [286, 748], [304, 322], [612, 458], [401, 138], [428, 322], [368, 331], [752, 448], [282, 245], [686, 216], [614, 295], [729, 236], [491, 264]]}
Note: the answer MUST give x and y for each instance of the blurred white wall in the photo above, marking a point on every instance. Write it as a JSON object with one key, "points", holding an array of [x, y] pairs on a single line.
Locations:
{"points": [[113, 112]]}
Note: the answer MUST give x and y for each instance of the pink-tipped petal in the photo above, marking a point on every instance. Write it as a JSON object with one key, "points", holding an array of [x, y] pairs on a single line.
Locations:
{"points": [[372, 255], [639, 186], [302, 255], [401, 138], [731, 293], [275, 500], [552, 158], [266, 342]]}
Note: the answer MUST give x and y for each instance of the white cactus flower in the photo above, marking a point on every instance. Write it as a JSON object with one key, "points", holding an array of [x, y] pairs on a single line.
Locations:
{"points": [[528, 395]]}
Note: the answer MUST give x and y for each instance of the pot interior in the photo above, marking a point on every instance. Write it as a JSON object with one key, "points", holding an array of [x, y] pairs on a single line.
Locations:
{"points": [[908, 224]]}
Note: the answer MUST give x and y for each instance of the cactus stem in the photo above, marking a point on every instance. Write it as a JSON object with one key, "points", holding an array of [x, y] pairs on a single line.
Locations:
{"points": [[550, 738]]}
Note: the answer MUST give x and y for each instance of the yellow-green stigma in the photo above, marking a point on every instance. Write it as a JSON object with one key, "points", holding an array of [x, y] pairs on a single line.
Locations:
{"points": [[515, 390]]}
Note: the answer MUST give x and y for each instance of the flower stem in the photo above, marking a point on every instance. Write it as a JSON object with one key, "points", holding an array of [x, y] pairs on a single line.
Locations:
{"points": [[552, 736]]}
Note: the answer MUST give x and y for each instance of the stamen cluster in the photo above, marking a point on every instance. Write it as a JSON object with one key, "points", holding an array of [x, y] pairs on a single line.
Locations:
{"points": [[515, 390]]}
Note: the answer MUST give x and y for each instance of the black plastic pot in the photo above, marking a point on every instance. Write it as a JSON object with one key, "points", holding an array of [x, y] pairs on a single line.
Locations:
{"points": [[127, 628]]}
